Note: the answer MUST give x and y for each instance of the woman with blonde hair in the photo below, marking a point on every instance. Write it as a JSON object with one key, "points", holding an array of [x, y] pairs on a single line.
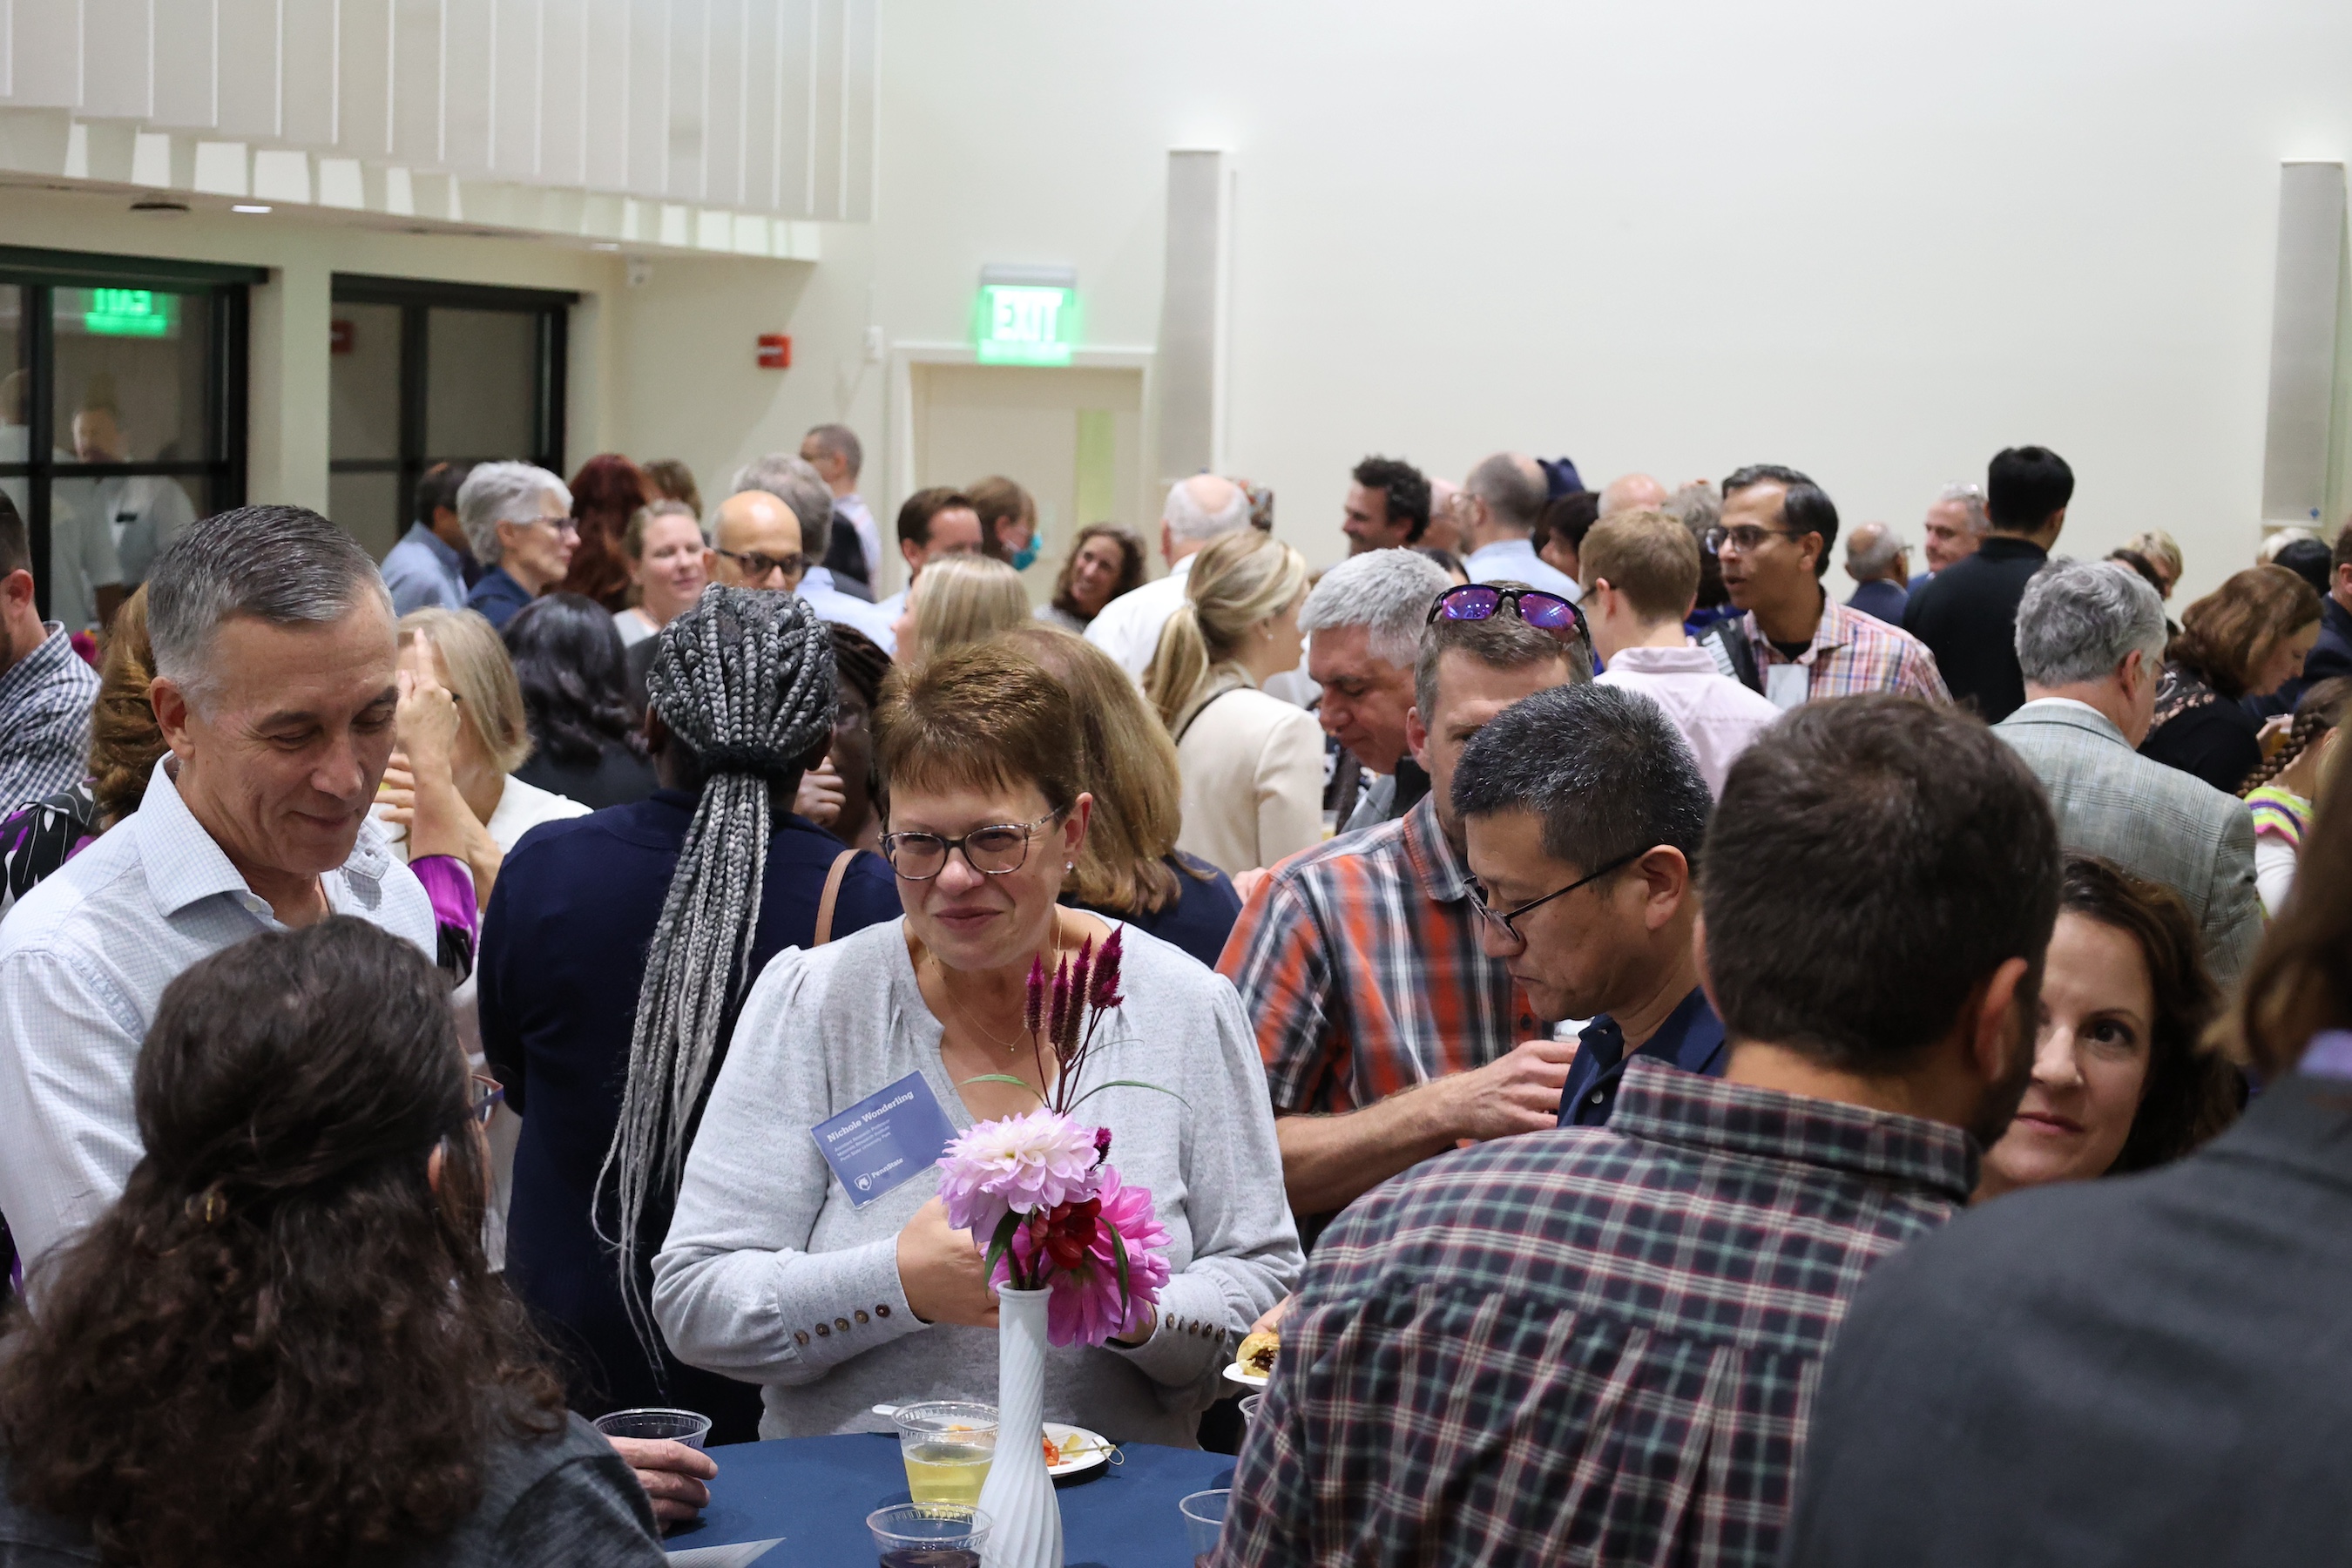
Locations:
{"points": [[958, 599], [1252, 765], [457, 651], [1129, 867], [666, 550]]}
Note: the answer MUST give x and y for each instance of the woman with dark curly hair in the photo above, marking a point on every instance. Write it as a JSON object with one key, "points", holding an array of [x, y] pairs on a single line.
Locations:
{"points": [[605, 493], [584, 745], [2120, 1080], [1106, 561], [2246, 639], [283, 1342]]}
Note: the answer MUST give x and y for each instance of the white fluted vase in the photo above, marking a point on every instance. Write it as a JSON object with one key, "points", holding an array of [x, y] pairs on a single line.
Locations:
{"points": [[1026, 1528]]}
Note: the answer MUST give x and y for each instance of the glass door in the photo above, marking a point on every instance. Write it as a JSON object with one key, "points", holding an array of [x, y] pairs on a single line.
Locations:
{"points": [[122, 414], [426, 373]]}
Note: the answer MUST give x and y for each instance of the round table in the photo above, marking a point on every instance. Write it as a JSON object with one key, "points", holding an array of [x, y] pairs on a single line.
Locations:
{"points": [[814, 1494]]}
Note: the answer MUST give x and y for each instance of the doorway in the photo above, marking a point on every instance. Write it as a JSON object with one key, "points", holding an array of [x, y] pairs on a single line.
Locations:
{"points": [[426, 373], [1071, 437]]}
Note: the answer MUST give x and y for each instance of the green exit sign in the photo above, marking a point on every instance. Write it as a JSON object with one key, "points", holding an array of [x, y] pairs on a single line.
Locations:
{"points": [[127, 314], [1026, 323]]}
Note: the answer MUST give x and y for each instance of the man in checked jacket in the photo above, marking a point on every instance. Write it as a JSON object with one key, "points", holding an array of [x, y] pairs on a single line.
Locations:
{"points": [[1599, 1344]]}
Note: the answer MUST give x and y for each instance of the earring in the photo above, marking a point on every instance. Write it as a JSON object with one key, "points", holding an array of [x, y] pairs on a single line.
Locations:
{"points": [[1069, 865]]}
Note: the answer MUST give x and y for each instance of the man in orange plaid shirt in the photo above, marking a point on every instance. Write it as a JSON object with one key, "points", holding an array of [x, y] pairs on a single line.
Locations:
{"points": [[1387, 1036]]}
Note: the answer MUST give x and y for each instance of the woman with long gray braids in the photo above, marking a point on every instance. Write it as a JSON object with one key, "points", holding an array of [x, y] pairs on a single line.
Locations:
{"points": [[662, 912]]}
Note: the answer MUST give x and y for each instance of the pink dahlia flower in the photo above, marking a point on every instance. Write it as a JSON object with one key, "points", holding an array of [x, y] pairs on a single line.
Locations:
{"points": [[1034, 1161], [1070, 1251]]}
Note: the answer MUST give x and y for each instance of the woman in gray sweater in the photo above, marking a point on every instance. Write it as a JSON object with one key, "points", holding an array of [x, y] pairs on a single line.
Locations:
{"points": [[775, 1272]]}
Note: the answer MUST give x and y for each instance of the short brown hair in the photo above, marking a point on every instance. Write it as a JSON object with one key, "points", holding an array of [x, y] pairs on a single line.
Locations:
{"points": [[1501, 641], [915, 516], [1648, 557], [983, 716], [2227, 635], [996, 498]]}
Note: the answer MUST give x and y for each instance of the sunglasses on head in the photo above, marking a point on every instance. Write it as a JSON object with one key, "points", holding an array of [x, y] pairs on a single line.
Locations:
{"points": [[1484, 601]]}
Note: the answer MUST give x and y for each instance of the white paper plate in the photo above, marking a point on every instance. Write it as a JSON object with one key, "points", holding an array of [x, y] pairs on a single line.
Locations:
{"points": [[1233, 1373], [1091, 1450]]}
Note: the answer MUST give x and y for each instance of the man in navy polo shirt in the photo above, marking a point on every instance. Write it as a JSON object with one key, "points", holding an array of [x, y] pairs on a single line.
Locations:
{"points": [[1584, 810]]}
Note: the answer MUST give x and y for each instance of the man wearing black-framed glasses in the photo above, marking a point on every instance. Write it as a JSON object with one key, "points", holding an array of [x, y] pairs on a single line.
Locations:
{"points": [[1582, 851]]}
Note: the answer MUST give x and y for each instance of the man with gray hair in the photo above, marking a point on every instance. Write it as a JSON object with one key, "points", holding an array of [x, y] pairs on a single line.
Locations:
{"points": [[275, 687], [1956, 523], [1200, 510], [1503, 495], [1363, 622], [1878, 560], [2090, 643], [518, 520]]}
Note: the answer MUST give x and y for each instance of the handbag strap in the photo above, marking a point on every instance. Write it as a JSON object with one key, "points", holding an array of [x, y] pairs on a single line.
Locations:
{"points": [[832, 895], [1194, 717]]}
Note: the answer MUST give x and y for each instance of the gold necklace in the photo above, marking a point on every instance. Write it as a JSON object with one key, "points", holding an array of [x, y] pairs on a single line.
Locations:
{"points": [[1011, 1048]]}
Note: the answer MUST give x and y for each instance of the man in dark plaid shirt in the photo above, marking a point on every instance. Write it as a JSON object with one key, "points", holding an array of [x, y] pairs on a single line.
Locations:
{"points": [[1599, 1345]]}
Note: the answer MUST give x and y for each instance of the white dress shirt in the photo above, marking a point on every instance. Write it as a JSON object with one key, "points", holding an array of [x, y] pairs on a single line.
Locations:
{"points": [[1516, 560], [1128, 627], [1717, 715], [877, 621], [84, 959], [143, 513], [870, 538]]}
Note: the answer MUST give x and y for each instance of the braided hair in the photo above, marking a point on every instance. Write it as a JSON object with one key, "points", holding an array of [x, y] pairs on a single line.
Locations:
{"points": [[744, 680], [2320, 710]]}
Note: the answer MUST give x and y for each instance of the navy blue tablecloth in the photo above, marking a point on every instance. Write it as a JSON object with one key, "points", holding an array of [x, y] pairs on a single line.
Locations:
{"points": [[816, 1493]]}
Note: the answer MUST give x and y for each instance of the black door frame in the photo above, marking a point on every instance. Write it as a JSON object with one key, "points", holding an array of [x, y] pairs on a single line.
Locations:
{"points": [[415, 297], [39, 273]]}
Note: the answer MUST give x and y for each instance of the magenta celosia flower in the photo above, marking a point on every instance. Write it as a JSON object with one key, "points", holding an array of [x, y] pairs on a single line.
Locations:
{"points": [[1031, 1162], [1070, 1251], [1104, 992]]}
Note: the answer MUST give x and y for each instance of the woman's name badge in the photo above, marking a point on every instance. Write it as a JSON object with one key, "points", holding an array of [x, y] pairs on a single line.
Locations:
{"points": [[885, 1138]]}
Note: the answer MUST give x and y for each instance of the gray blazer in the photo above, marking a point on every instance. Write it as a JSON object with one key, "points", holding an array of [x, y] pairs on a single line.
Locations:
{"points": [[2154, 821]]}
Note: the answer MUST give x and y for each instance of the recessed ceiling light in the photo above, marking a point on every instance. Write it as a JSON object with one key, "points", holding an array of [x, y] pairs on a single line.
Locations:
{"points": [[246, 207]]}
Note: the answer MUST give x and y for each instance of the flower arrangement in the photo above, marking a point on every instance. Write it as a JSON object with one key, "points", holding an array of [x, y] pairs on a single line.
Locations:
{"points": [[1040, 1186]]}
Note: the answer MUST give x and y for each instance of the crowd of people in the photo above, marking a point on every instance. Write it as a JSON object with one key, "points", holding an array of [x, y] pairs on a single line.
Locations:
{"points": [[1661, 1046]]}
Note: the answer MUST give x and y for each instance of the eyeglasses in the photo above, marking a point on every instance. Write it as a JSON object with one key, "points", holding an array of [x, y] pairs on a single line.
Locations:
{"points": [[756, 565], [489, 1095], [991, 851], [1481, 601], [558, 525], [1505, 918], [1743, 537]]}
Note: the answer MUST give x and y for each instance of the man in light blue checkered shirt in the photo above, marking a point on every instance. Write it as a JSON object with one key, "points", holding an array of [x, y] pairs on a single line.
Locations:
{"points": [[275, 687], [46, 690]]}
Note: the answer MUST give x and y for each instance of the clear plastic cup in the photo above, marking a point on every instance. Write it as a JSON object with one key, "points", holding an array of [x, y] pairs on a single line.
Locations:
{"points": [[1204, 1518], [677, 1426], [947, 1447], [929, 1535], [1249, 1409]]}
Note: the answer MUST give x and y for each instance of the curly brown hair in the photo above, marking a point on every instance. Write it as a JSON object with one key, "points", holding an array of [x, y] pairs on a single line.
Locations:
{"points": [[125, 741], [282, 1319], [1130, 566], [606, 492]]}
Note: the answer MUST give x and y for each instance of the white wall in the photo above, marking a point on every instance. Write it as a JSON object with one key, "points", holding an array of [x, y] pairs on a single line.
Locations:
{"points": [[1876, 242]]}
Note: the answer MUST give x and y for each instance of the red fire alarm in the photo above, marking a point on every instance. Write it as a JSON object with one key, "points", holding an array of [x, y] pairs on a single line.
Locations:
{"points": [[775, 351]]}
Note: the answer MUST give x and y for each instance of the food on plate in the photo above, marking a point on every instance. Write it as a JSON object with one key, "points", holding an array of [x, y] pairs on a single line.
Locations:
{"points": [[1258, 1352]]}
